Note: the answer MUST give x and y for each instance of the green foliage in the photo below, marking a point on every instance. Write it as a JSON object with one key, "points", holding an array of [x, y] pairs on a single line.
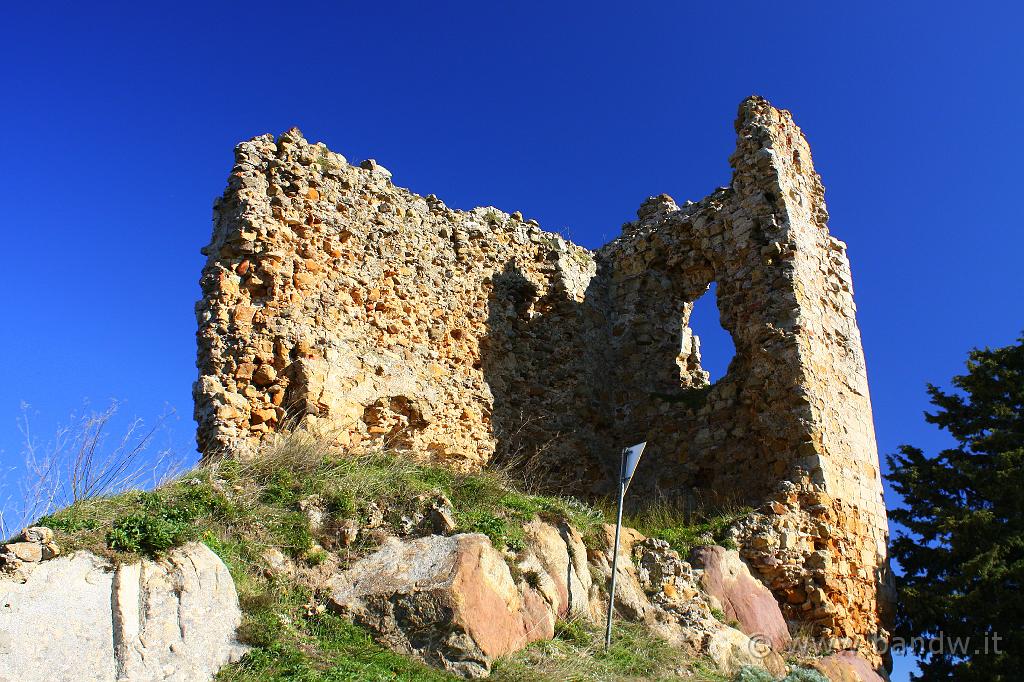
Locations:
{"points": [[161, 520], [501, 531], [140, 522], [291, 643], [341, 504], [263, 496], [804, 675], [291, 637], [962, 552], [749, 673], [486, 504], [685, 529], [149, 533], [290, 531], [797, 674], [70, 520], [577, 653], [580, 515]]}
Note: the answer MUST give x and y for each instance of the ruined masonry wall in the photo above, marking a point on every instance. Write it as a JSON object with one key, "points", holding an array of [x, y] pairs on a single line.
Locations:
{"points": [[335, 300]]}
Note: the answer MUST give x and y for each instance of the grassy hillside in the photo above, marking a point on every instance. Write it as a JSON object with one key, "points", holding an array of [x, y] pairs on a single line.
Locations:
{"points": [[243, 510]]}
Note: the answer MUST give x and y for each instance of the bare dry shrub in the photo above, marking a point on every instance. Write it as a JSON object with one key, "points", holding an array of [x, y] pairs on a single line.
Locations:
{"points": [[523, 462], [81, 463]]}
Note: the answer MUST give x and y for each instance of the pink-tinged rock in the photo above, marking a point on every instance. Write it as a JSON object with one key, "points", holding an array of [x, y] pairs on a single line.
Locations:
{"points": [[744, 599], [847, 666], [449, 600]]}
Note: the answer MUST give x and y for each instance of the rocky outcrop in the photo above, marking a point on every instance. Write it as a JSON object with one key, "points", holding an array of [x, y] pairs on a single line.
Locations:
{"points": [[81, 618], [449, 600], [743, 598], [555, 558], [457, 603], [656, 587]]}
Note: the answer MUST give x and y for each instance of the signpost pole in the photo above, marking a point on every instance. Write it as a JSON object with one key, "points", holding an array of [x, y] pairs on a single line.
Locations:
{"points": [[615, 562], [627, 467]]}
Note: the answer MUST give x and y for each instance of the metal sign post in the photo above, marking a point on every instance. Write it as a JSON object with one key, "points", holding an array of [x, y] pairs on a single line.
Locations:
{"points": [[627, 466]]}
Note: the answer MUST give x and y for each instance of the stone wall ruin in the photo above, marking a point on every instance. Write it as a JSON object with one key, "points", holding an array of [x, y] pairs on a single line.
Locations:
{"points": [[335, 300]]}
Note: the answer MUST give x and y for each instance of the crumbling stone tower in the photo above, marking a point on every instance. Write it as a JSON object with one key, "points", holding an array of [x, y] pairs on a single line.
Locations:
{"points": [[335, 300]]}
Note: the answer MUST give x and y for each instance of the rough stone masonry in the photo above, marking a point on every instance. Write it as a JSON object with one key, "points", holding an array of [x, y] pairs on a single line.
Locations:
{"points": [[336, 301]]}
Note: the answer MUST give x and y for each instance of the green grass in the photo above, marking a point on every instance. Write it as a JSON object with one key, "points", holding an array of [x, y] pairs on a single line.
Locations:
{"points": [[241, 509], [686, 529], [797, 674], [292, 638], [259, 500], [577, 653]]}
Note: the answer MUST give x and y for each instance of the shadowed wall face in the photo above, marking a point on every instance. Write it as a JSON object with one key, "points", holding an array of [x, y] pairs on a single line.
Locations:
{"points": [[339, 302]]}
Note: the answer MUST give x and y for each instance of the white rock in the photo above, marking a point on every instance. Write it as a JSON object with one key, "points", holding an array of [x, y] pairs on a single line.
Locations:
{"points": [[79, 618]]}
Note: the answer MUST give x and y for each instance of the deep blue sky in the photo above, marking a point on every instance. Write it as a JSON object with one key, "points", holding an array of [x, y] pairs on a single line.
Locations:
{"points": [[119, 123]]}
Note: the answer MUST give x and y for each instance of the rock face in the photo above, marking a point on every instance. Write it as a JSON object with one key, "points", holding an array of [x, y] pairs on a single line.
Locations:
{"points": [[453, 601], [450, 600], [78, 618], [741, 596], [662, 591], [369, 314], [847, 666]]}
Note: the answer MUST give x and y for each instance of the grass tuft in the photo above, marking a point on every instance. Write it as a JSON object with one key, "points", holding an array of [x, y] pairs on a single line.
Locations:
{"points": [[685, 529], [577, 653]]}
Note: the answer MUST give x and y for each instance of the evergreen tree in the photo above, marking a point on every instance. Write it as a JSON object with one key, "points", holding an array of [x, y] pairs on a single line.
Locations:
{"points": [[962, 592]]}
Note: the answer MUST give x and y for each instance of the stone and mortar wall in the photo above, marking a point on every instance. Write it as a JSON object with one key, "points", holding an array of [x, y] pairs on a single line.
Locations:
{"points": [[335, 300]]}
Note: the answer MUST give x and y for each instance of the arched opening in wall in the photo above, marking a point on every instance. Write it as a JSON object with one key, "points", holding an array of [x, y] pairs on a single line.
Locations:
{"points": [[716, 347]]}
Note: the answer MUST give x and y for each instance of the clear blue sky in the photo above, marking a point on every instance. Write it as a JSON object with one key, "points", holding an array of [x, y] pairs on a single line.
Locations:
{"points": [[119, 124]]}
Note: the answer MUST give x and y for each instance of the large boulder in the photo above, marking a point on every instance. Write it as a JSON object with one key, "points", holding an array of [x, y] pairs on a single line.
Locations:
{"points": [[80, 618], [743, 598], [451, 601], [847, 666], [559, 557]]}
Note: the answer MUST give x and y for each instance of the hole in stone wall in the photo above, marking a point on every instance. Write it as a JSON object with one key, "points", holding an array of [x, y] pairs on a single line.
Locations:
{"points": [[716, 347]]}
